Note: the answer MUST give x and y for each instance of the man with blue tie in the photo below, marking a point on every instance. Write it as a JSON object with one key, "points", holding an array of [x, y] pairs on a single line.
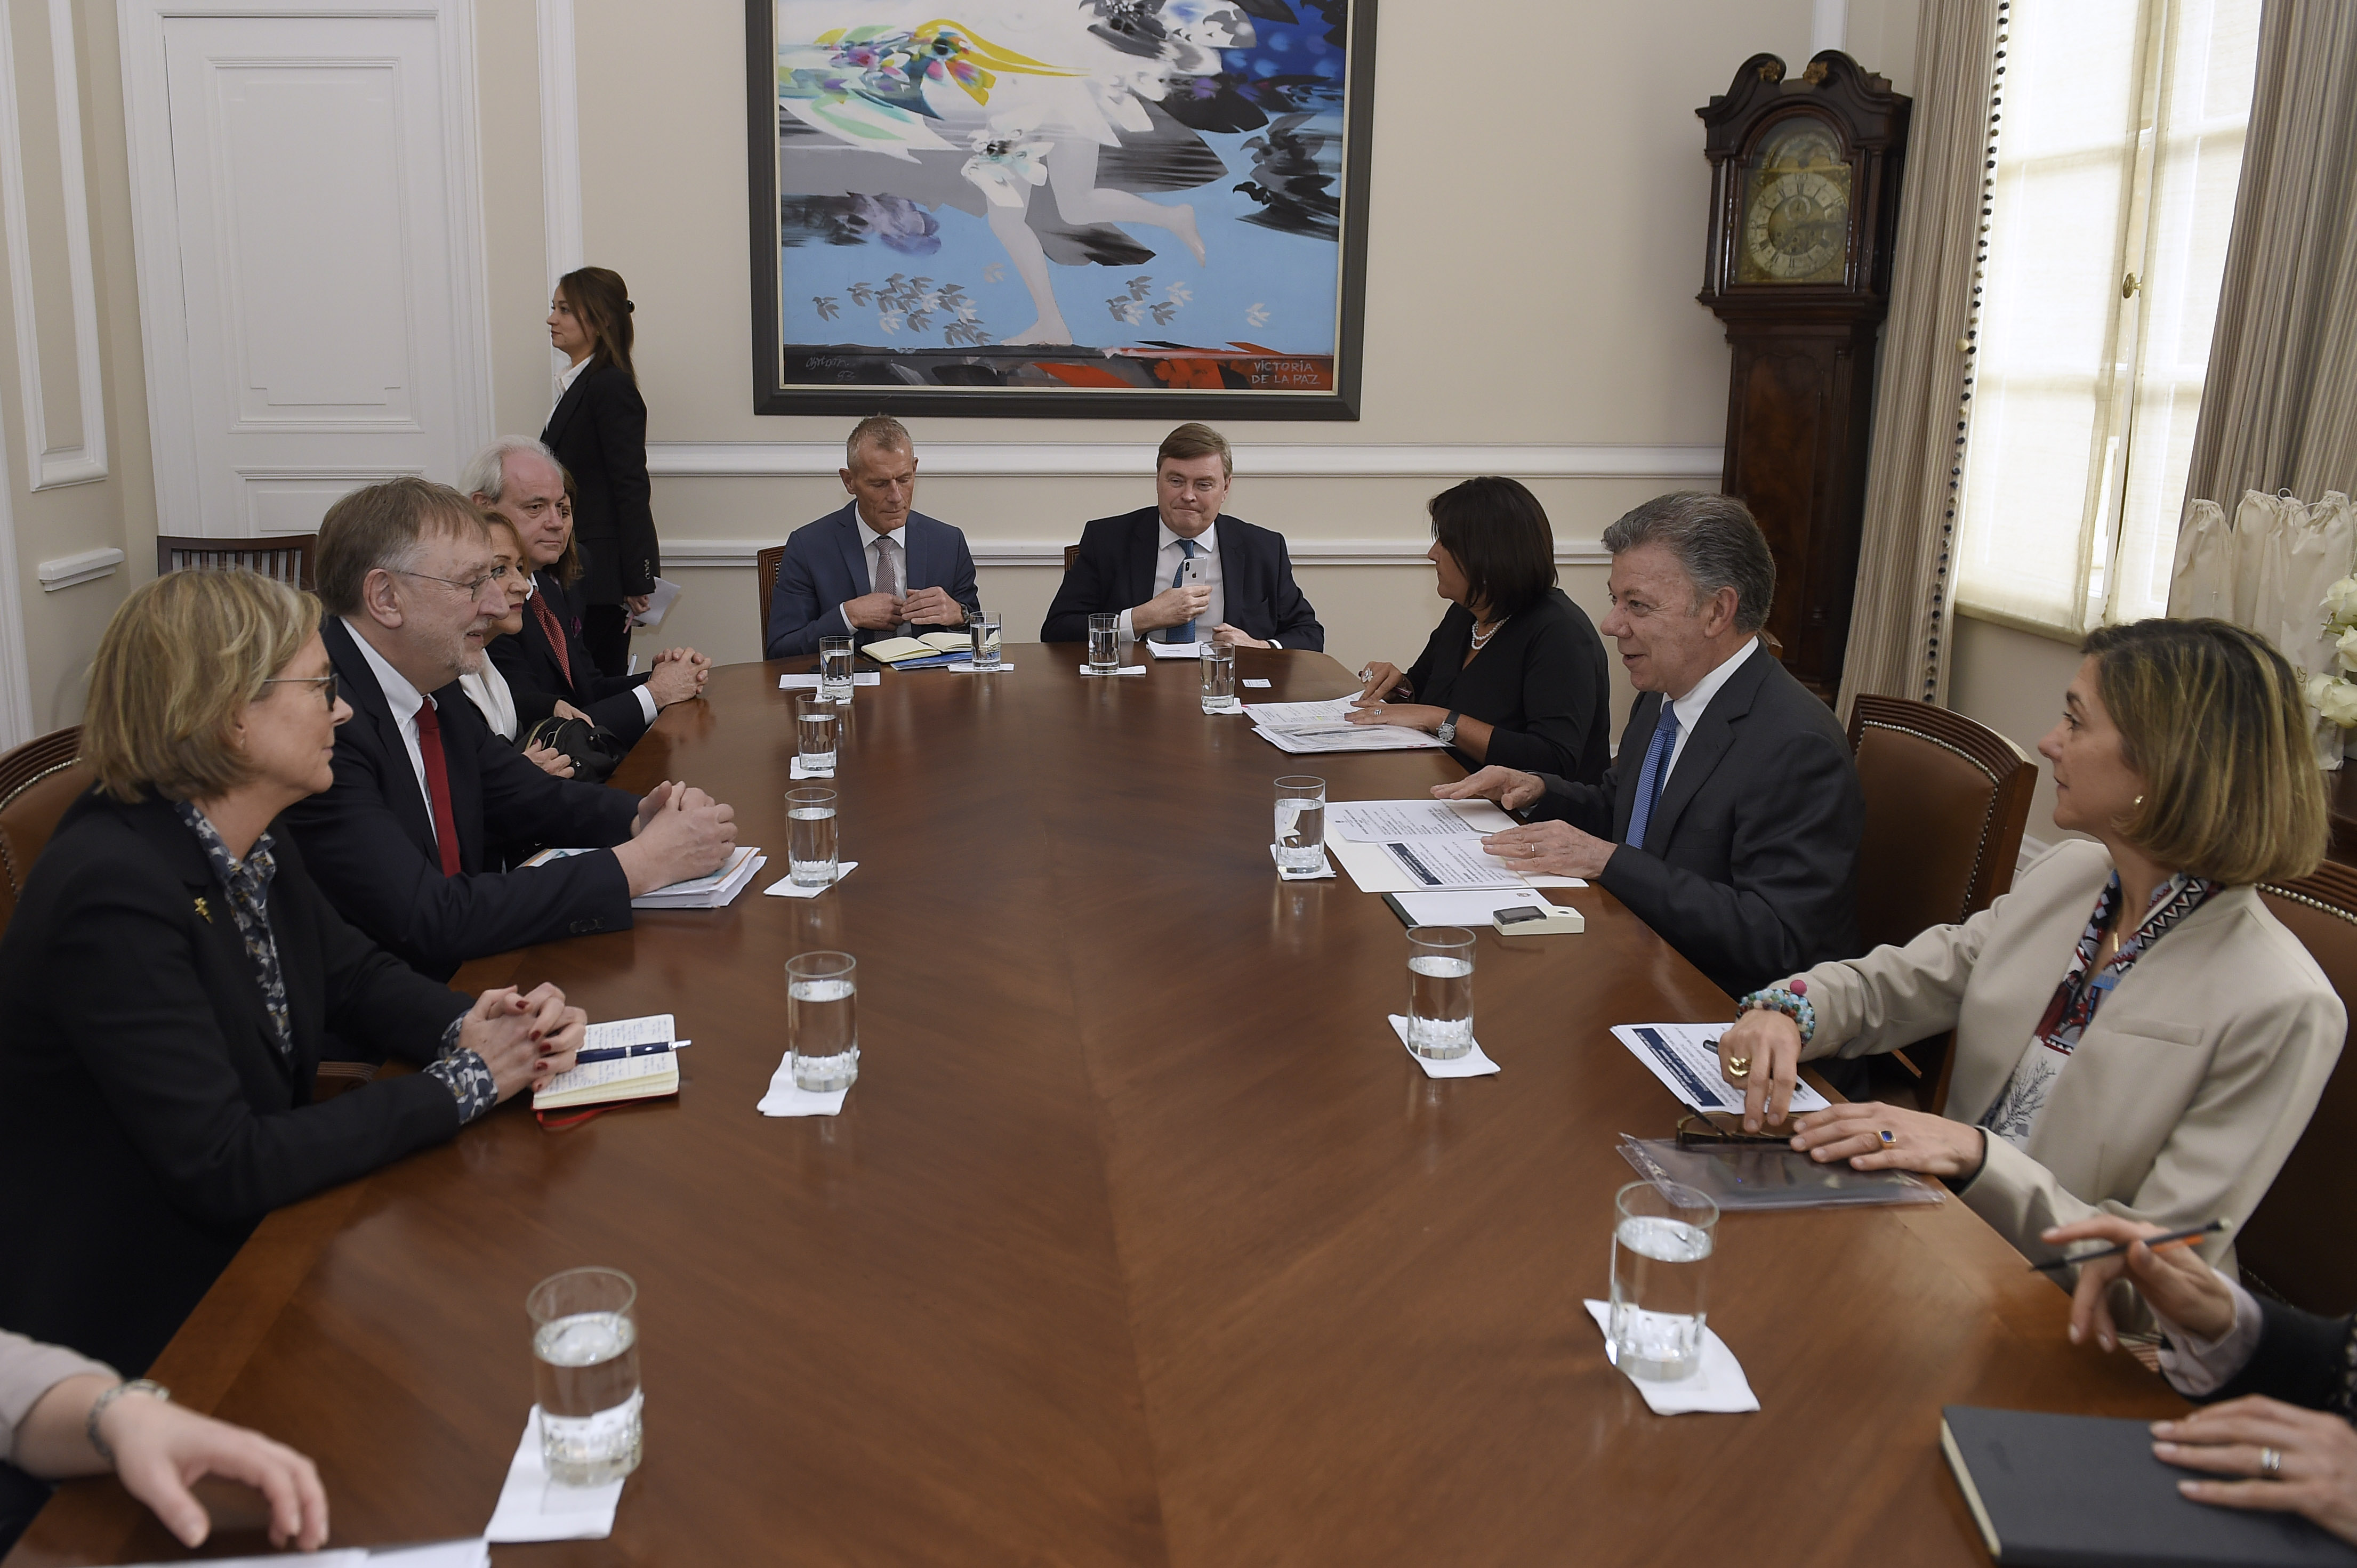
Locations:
{"points": [[877, 568], [1730, 820], [1182, 570]]}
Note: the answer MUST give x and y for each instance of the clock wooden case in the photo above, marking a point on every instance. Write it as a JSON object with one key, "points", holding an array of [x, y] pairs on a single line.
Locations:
{"points": [[1804, 205]]}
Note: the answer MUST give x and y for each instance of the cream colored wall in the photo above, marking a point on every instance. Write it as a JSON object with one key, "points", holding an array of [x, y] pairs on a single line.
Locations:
{"points": [[2012, 681]]}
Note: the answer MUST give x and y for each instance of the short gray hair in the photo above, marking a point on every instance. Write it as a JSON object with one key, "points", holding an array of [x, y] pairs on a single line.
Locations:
{"points": [[880, 430], [1716, 539], [486, 473]]}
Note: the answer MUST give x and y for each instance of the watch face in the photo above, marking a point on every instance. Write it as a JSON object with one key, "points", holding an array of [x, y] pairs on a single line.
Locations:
{"points": [[1796, 196]]}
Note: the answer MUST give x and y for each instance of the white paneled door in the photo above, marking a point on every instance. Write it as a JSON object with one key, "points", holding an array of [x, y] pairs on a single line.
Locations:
{"points": [[311, 253]]}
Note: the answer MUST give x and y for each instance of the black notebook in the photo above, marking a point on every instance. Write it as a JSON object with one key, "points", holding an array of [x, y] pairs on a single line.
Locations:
{"points": [[2084, 1491]]}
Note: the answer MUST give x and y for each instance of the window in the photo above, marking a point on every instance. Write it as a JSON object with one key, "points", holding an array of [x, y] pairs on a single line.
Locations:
{"points": [[2117, 156]]}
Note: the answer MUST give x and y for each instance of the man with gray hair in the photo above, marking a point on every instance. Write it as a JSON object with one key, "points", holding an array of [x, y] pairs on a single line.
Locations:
{"points": [[1730, 819], [877, 568]]}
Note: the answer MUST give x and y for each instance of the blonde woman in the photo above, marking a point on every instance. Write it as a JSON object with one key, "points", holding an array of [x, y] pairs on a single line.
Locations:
{"points": [[171, 974], [487, 687], [2136, 1035]]}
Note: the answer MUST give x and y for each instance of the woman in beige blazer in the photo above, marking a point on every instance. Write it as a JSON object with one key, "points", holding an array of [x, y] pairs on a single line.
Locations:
{"points": [[2156, 1059]]}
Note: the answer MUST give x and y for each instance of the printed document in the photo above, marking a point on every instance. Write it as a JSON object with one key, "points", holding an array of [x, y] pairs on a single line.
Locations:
{"points": [[1307, 727], [1374, 821], [1685, 1057]]}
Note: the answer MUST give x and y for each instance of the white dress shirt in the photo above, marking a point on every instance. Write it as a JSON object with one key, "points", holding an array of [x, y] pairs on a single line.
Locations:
{"points": [[404, 700], [1690, 707], [1207, 572], [567, 376], [488, 689]]}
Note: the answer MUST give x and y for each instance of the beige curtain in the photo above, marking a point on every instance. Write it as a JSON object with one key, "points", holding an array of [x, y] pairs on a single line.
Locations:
{"points": [[1904, 606], [2279, 410]]}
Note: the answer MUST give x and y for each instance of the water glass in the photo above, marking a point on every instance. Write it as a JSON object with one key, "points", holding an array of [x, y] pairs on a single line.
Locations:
{"points": [[822, 1020], [984, 628], [810, 836], [815, 717], [1440, 991], [1661, 1257], [1300, 822], [1105, 645], [584, 1372], [834, 668], [1218, 666]]}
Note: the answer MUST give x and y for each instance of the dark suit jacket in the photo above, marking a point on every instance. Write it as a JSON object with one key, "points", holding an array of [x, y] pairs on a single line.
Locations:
{"points": [[599, 431], [1115, 571], [147, 1121], [539, 683], [369, 838], [1749, 865], [2300, 1358], [826, 564], [1540, 679]]}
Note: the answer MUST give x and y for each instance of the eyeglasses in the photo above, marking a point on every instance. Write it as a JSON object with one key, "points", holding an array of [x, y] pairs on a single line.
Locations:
{"points": [[327, 681], [471, 589]]}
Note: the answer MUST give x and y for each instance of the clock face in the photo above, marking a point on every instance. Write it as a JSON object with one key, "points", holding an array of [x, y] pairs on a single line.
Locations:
{"points": [[1796, 208]]}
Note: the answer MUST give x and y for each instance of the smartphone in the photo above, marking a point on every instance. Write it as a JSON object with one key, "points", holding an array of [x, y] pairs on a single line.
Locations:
{"points": [[1517, 915]]}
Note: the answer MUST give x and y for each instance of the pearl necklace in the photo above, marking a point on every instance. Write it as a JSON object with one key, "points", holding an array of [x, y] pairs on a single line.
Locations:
{"points": [[1481, 639]]}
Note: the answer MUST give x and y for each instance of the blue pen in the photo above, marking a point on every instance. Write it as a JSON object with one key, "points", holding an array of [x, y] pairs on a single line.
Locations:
{"points": [[615, 1053]]}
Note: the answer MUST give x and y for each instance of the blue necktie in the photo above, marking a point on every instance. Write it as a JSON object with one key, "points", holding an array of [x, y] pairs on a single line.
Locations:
{"points": [[1656, 773], [1182, 633]]}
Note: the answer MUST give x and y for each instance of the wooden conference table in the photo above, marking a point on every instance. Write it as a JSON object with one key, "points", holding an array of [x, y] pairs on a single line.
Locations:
{"points": [[1140, 1240]]}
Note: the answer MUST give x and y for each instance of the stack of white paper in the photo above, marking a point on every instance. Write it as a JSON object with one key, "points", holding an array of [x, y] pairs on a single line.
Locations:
{"points": [[1424, 847], [1310, 728], [708, 892]]}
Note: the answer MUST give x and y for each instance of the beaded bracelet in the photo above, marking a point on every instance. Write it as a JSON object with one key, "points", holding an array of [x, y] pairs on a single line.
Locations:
{"points": [[1793, 1003], [98, 1408]]}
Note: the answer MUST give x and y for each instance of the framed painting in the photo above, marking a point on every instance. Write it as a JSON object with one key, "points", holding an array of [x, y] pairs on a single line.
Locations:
{"points": [[1118, 207]]}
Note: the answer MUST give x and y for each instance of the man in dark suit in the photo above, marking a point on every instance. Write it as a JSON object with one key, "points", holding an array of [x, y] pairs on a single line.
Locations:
{"points": [[423, 785], [1730, 819], [548, 661], [876, 568], [1184, 569]]}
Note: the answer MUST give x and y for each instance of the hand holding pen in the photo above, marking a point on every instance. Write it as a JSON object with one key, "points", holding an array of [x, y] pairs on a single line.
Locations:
{"points": [[2165, 1268]]}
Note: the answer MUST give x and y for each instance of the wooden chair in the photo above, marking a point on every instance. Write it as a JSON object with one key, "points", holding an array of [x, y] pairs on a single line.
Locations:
{"points": [[287, 557], [37, 782], [1945, 802], [765, 577], [2295, 1245], [1072, 554]]}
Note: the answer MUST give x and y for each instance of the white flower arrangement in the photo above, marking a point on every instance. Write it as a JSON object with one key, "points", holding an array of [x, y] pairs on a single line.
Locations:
{"points": [[2334, 694]]}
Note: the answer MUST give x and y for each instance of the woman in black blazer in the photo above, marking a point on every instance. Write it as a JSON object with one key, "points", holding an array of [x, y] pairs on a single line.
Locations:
{"points": [[599, 431], [1514, 674], [171, 976]]}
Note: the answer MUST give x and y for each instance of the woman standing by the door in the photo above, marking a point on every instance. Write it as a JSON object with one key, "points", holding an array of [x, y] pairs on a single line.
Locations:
{"points": [[598, 431]]}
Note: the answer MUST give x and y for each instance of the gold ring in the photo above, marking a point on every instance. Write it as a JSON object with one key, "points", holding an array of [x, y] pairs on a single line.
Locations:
{"points": [[1530, 850], [1890, 1139], [1739, 1066], [2271, 1463]]}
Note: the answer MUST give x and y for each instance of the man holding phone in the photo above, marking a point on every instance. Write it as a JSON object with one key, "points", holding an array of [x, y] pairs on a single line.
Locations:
{"points": [[1181, 570]]}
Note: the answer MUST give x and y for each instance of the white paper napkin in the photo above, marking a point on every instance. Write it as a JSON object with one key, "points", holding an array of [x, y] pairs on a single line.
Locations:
{"points": [[787, 889], [1323, 871], [533, 1508], [1719, 1385], [1260, 684], [797, 770], [788, 1099], [1472, 1064], [1123, 669], [967, 668]]}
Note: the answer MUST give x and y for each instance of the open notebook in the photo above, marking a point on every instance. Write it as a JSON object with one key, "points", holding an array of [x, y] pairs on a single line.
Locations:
{"points": [[942, 646], [628, 1058]]}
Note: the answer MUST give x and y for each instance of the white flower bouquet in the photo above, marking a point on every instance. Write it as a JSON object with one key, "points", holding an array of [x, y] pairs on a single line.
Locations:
{"points": [[2333, 692]]}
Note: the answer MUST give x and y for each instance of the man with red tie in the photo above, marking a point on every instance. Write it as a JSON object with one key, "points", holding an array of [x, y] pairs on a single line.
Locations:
{"points": [[423, 784]]}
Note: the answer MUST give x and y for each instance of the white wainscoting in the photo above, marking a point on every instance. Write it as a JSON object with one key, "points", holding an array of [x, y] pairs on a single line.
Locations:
{"points": [[84, 458], [1337, 459], [307, 216]]}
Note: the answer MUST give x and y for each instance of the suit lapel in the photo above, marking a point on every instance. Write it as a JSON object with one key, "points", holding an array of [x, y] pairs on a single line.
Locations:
{"points": [[359, 688], [160, 825], [460, 740], [1714, 732], [566, 406], [1143, 544], [1629, 764]]}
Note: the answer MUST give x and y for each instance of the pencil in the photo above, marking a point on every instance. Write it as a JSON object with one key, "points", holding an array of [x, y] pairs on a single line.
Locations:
{"points": [[2166, 1238]]}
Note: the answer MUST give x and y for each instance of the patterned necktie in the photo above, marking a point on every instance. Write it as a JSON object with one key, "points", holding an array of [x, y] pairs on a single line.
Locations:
{"points": [[1656, 773], [1181, 633], [437, 786], [888, 577], [556, 635]]}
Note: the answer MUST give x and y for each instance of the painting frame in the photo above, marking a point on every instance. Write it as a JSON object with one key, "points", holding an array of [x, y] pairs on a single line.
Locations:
{"points": [[1233, 377]]}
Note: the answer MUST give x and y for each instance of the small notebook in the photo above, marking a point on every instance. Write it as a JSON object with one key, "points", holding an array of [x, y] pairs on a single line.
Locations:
{"points": [[610, 1075], [933, 645], [2084, 1491]]}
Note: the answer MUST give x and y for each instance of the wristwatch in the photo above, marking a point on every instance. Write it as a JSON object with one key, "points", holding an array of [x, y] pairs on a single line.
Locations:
{"points": [[1447, 733]]}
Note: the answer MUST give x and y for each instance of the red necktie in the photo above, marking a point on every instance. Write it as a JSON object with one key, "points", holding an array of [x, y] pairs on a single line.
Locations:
{"points": [[437, 786], [547, 619]]}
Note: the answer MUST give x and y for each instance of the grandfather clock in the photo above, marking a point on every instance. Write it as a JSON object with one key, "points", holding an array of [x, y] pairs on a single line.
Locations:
{"points": [[1804, 207]]}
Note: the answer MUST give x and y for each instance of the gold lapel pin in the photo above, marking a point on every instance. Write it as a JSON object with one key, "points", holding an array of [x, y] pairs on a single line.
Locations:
{"points": [[205, 909]]}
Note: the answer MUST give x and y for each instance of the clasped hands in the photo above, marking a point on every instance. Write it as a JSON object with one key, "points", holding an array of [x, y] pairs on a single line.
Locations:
{"points": [[677, 676], [1535, 849], [917, 607], [524, 1040]]}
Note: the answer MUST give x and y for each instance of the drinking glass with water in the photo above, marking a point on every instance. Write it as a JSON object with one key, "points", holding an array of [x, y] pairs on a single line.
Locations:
{"points": [[814, 726], [809, 837], [834, 668], [1440, 992], [1300, 822], [983, 630], [585, 1367], [1218, 666], [1662, 1237], [822, 1020], [1104, 644]]}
